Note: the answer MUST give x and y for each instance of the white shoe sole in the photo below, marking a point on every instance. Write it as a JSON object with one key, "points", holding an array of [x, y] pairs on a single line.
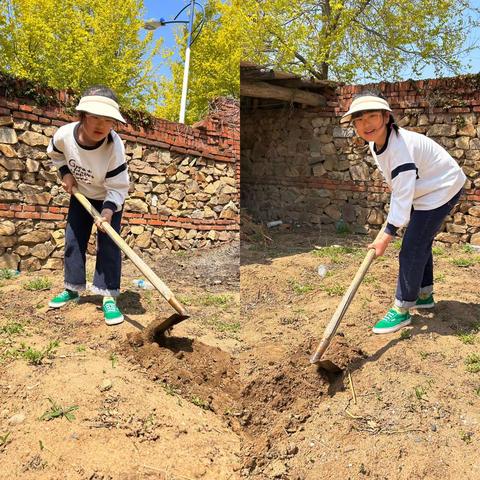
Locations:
{"points": [[114, 321], [427, 305], [392, 329], [59, 305]]}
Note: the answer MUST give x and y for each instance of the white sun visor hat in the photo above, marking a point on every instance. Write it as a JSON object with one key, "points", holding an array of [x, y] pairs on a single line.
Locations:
{"points": [[100, 105], [368, 102]]}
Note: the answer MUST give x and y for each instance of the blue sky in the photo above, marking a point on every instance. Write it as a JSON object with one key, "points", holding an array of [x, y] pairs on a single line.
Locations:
{"points": [[166, 9]]}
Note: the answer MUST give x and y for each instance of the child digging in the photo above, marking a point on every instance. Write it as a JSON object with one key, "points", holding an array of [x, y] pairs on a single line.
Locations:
{"points": [[90, 156], [425, 183]]}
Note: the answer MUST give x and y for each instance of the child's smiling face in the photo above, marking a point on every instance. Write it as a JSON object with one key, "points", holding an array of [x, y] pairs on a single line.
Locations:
{"points": [[95, 128], [372, 126]]}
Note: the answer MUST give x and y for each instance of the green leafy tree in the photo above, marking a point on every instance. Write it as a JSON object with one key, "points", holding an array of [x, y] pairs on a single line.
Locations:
{"points": [[77, 43], [369, 39], [214, 63]]}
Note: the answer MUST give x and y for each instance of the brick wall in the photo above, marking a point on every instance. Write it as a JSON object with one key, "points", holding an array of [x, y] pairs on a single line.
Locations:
{"points": [[299, 166], [184, 191]]}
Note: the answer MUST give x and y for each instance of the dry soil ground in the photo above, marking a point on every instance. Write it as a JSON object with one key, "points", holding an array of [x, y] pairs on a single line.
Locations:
{"points": [[229, 395], [416, 409]]}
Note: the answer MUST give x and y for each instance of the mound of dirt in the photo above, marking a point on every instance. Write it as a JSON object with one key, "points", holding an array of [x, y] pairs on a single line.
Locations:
{"points": [[204, 375]]}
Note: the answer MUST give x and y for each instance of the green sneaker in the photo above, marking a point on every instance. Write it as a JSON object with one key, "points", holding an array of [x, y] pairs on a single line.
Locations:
{"points": [[392, 322], [425, 302], [63, 298], [111, 313]]}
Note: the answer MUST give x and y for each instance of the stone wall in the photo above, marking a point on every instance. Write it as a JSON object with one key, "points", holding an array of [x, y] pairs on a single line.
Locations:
{"points": [[300, 166], [184, 183]]}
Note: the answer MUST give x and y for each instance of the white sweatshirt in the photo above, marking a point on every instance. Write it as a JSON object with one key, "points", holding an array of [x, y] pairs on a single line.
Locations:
{"points": [[100, 171], [420, 173]]}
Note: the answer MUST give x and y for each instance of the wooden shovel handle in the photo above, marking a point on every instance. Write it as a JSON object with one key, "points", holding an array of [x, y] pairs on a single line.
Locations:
{"points": [[345, 302], [138, 262]]}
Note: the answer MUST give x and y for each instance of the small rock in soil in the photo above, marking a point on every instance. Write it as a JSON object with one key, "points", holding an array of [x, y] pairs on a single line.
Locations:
{"points": [[16, 419]]}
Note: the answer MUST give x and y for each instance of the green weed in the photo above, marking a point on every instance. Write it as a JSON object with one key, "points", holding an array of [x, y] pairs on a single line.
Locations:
{"points": [[466, 436], [299, 288], [36, 357], [57, 411], [405, 334], [473, 363], [7, 274], [420, 392], [477, 391], [209, 300], [37, 284], [199, 402], [468, 249], [440, 277], [12, 329], [185, 300], [397, 244], [80, 348], [334, 290], [464, 262], [336, 254], [170, 389], [5, 439], [466, 337], [424, 355], [114, 359], [438, 251]]}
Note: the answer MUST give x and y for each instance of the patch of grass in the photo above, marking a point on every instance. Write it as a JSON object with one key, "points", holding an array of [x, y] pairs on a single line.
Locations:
{"points": [[477, 391], [13, 328], [7, 274], [334, 290], [185, 300], [5, 439], [57, 411], [464, 262], [397, 244], [468, 249], [227, 327], [80, 348], [424, 355], [170, 389], [36, 357], [38, 284], [370, 279], [405, 334], [336, 254], [467, 338], [114, 359], [466, 436], [209, 300], [438, 251], [473, 363], [420, 393], [199, 402], [299, 288], [440, 277]]}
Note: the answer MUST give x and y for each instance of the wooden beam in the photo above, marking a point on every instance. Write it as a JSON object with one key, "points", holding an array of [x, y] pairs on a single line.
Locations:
{"points": [[267, 90]]}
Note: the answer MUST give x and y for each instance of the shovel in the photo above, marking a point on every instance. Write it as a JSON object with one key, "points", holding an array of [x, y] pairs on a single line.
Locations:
{"points": [[340, 311], [138, 262]]}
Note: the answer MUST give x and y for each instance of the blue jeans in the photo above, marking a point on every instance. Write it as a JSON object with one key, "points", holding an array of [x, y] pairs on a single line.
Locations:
{"points": [[108, 266], [416, 259]]}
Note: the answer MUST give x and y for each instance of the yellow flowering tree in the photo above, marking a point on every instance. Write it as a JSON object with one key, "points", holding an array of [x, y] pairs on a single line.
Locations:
{"points": [[78, 43], [358, 39], [214, 63]]}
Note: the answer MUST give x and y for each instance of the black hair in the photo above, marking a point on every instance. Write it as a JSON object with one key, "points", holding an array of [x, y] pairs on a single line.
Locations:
{"points": [[102, 91], [375, 93]]}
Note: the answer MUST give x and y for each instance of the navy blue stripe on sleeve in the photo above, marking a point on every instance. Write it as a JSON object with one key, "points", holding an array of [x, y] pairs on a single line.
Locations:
{"points": [[110, 205], [55, 148], [116, 171], [404, 168], [64, 170], [391, 229]]}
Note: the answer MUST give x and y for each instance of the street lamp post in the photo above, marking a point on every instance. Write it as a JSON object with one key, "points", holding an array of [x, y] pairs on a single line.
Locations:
{"points": [[153, 24]]}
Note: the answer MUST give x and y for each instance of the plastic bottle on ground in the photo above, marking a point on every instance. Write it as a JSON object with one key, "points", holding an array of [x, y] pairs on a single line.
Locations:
{"points": [[141, 283]]}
